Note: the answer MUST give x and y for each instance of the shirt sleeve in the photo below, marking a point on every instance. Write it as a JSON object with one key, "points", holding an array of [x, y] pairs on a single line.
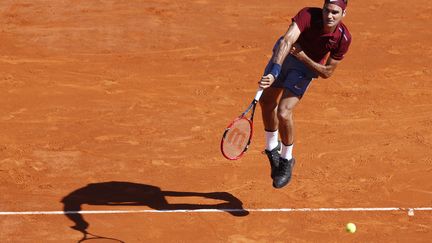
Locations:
{"points": [[303, 19], [338, 54]]}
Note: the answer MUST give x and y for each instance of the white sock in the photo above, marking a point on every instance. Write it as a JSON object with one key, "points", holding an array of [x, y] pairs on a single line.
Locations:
{"points": [[287, 151], [272, 140]]}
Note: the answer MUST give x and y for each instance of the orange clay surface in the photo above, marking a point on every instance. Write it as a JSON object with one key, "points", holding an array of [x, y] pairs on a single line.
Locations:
{"points": [[133, 97]]}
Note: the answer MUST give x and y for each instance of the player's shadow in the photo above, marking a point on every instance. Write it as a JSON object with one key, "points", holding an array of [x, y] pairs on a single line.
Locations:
{"points": [[127, 193]]}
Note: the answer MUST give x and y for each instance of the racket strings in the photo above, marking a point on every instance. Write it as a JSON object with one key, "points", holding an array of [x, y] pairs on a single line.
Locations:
{"points": [[237, 138]]}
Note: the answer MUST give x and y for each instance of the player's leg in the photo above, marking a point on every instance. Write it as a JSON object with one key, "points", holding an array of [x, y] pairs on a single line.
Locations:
{"points": [[286, 128], [268, 103], [285, 116]]}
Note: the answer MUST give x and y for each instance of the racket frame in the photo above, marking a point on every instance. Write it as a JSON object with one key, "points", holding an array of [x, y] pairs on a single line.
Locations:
{"points": [[252, 107]]}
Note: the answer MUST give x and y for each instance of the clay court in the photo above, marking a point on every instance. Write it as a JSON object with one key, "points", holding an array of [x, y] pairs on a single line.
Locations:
{"points": [[116, 109]]}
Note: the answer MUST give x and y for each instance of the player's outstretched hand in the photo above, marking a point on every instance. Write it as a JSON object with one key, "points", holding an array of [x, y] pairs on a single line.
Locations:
{"points": [[266, 81]]}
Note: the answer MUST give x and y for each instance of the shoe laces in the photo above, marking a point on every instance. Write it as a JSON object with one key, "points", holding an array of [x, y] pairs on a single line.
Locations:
{"points": [[284, 166]]}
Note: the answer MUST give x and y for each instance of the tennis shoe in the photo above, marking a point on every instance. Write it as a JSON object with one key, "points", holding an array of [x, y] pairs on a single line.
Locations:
{"points": [[283, 174], [274, 157]]}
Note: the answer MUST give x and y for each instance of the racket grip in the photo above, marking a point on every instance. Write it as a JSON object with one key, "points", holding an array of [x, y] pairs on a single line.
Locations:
{"points": [[258, 94]]}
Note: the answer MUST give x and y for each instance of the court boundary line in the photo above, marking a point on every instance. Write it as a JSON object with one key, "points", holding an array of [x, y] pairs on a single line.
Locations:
{"points": [[409, 210]]}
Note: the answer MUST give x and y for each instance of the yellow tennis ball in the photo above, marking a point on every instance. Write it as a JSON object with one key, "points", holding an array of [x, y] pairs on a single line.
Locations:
{"points": [[351, 228]]}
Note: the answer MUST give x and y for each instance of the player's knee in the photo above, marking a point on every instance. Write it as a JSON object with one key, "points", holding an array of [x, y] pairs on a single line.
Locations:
{"points": [[285, 115]]}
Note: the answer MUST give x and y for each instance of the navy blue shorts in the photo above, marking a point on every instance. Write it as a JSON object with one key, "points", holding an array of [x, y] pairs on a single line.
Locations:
{"points": [[295, 76]]}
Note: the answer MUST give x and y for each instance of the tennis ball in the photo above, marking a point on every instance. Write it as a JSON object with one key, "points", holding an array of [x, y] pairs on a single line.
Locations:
{"points": [[351, 228]]}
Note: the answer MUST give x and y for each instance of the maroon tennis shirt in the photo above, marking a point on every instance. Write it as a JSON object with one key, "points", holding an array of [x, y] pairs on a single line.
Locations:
{"points": [[317, 44]]}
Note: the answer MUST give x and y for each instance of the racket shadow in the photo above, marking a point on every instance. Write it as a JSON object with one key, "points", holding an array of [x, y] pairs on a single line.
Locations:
{"points": [[134, 194]]}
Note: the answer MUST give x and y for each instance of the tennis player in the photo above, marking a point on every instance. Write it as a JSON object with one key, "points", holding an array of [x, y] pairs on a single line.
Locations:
{"points": [[313, 46]]}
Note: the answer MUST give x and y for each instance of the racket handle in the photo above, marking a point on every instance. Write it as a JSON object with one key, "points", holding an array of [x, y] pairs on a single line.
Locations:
{"points": [[258, 94]]}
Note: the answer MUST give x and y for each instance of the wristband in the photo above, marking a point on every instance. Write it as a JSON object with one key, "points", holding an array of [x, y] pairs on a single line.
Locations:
{"points": [[276, 69]]}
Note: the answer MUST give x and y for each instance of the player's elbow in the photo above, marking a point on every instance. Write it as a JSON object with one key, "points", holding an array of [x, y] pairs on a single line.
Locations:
{"points": [[326, 73]]}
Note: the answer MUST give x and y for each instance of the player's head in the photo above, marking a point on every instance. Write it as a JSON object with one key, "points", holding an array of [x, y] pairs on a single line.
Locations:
{"points": [[333, 12]]}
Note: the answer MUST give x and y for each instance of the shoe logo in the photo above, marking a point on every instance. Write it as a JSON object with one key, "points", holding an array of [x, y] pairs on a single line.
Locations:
{"points": [[237, 138], [296, 87]]}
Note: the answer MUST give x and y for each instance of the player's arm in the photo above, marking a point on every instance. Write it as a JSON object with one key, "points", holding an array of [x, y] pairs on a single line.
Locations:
{"points": [[286, 43], [324, 71], [280, 54]]}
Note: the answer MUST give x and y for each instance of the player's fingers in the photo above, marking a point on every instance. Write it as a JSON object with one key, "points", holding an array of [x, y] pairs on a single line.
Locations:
{"points": [[264, 86], [266, 81], [266, 78]]}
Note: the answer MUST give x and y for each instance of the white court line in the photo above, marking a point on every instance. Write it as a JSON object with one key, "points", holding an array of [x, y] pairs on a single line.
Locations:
{"points": [[218, 210]]}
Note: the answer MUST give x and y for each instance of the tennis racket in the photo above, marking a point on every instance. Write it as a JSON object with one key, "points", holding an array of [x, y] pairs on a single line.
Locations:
{"points": [[89, 237], [238, 134]]}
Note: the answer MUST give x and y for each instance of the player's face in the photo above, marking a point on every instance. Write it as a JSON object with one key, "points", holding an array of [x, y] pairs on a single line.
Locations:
{"points": [[332, 15]]}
